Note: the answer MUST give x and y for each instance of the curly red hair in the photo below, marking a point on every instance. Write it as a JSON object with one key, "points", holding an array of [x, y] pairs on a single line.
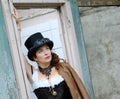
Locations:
{"points": [[55, 59]]}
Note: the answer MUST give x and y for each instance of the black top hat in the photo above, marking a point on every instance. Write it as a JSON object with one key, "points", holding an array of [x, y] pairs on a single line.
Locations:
{"points": [[34, 42]]}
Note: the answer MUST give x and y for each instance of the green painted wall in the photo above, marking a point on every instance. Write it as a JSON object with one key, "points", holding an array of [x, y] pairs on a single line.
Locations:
{"points": [[8, 88], [81, 47]]}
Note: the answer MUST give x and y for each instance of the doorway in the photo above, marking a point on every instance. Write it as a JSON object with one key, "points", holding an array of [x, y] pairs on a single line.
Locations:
{"points": [[67, 36], [45, 21]]}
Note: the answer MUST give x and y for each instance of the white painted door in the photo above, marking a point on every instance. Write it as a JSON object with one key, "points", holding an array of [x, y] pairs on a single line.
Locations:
{"points": [[46, 22], [48, 25]]}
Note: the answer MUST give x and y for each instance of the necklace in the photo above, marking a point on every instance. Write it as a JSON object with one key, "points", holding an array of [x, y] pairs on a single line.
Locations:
{"points": [[47, 72]]}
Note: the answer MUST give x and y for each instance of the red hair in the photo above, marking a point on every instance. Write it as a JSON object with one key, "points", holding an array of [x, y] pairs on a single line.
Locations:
{"points": [[55, 59]]}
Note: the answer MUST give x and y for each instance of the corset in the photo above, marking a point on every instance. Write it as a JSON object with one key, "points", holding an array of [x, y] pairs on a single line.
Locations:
{"points": [[61, 89]]}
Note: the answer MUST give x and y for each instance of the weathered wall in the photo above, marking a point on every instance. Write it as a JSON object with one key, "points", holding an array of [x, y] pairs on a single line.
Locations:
{"points": [[8, 88], [101, 29], [97, 2]]}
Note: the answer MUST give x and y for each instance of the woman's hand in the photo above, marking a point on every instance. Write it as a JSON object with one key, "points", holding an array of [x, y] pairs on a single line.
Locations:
{"points": [[16, 16], [27, 65]]}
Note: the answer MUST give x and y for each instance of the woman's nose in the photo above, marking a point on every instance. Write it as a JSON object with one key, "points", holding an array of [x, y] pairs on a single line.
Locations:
{"points": [[46, 51]]}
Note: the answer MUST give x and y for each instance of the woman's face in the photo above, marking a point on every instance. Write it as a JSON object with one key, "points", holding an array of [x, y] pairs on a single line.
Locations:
{"points": [[43, 55]]}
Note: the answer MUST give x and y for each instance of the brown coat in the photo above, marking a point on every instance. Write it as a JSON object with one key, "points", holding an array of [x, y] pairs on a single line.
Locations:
{"points": [[73, 81]]}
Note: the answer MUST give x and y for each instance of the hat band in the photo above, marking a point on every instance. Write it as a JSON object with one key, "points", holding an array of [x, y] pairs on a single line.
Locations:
{"points": [[39, 43]]}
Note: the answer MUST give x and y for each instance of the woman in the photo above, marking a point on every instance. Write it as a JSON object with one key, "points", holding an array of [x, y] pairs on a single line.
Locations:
{"points": [[53, 79]]}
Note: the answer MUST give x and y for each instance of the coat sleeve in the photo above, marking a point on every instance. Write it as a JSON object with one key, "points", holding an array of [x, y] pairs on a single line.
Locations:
{"points": [[78, 82]]}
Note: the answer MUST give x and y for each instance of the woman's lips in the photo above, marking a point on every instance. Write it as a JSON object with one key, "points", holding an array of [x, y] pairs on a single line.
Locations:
{"points": [[47, 57]]}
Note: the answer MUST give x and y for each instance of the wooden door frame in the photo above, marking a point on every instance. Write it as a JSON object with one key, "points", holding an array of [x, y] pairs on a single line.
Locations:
{"points": [[68, 37]]}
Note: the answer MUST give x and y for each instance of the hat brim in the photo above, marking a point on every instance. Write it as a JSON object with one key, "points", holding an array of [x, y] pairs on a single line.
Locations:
{"points": [[35, 48]]}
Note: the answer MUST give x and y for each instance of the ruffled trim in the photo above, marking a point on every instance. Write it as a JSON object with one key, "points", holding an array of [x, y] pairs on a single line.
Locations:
{"points": [[46, 83]]}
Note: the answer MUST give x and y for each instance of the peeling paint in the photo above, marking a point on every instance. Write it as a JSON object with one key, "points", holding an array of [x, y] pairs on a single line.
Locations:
{"points": [[8, 88]]}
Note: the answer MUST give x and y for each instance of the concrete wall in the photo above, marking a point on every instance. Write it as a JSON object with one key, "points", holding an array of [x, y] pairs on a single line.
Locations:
{"points": [[101, 30]]}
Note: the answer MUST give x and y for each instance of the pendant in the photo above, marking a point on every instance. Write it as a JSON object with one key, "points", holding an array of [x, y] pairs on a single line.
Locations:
{"points": [[54, 93]]}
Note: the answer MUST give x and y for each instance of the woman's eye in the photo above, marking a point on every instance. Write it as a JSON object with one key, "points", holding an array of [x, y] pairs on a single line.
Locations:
{"points": [[40, 50], [43, 49], [47, 48]]}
